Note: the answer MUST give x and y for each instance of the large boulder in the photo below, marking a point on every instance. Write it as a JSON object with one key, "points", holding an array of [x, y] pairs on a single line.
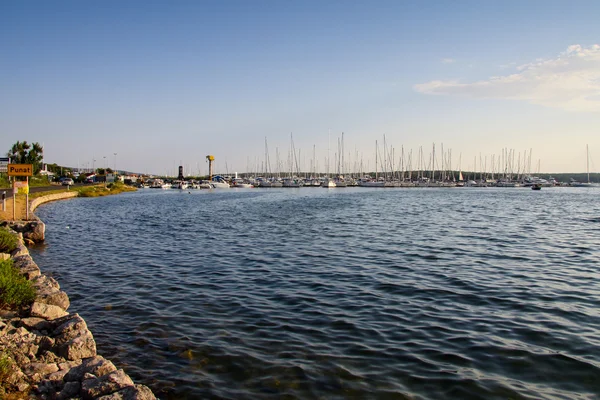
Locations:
{"points": [[27, 267], [137, 392], [98, 366], [107, 384], [72, 338], [46, 311], [35, 231]]}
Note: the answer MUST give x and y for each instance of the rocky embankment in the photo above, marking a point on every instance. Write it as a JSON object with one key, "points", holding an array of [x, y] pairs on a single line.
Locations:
{"points": [[54, 352]]}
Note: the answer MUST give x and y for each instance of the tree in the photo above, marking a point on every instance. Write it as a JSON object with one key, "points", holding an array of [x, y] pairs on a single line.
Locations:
{"points": [[25, 153]]}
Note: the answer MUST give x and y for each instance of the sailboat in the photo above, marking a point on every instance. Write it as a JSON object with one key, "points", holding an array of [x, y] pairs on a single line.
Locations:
{"points": [[575, 183]]}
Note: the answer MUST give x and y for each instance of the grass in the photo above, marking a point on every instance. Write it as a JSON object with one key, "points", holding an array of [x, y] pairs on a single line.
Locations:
{"points": [[98, 190], [8, 241], [46, 193], [5, 367], [15, 290]]}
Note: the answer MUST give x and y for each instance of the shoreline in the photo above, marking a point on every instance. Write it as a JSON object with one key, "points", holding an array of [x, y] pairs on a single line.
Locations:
{"points": [[54, 353]]}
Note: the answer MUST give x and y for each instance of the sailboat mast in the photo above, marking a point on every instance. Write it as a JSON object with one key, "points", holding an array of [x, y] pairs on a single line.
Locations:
{"points": [[376, 160]]}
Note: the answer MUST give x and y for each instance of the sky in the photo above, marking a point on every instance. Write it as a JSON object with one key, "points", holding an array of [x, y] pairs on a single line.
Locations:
{"points": [[146, 86]]}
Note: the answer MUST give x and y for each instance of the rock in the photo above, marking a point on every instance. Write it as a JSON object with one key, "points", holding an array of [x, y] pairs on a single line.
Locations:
{"points": [[46, 311], [20, 331], [68, 328], [46, 343], [70, 390], [40, 368], [7, 314], [137, 392], [68, 365], [26, 266], [55, 298], [97, 366], [21, 250], [49, 357], [35, 231], [107, 384], [35, 323], [82, 346], [47, 388], [87, 376], [57, 376], [4, 256]]}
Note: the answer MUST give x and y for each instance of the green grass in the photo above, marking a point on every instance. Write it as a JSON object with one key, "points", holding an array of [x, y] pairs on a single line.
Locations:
{"points": [[15, 290], [100, 190], [47, 192], [8, 241]]}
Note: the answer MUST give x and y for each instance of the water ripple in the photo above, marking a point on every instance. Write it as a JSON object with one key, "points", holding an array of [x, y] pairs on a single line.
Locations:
{"points": [[301, 294]]}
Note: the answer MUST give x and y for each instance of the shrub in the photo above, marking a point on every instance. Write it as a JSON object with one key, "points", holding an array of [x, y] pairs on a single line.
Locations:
{"points": [[15, 290], [8, 241]]}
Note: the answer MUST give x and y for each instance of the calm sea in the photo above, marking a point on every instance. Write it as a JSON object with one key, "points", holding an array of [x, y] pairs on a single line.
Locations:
{"points": [[338, 294]]}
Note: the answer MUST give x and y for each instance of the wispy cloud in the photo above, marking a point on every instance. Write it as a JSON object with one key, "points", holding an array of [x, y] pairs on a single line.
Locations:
{"points": [[570, 81], [448, 60]]}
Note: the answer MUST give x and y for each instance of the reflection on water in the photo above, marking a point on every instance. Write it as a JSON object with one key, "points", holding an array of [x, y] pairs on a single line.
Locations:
{"points": [[353, 293]]}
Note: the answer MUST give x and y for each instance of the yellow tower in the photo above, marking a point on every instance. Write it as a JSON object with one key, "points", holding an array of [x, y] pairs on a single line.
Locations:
{"points": [[210, 159]]}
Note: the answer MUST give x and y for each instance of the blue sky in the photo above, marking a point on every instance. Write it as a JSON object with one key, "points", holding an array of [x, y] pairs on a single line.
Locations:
{"points": [[164, 84]]}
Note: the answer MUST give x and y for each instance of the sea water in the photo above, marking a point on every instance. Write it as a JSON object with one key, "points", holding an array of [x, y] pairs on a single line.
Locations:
{"points": [[465, 293]]}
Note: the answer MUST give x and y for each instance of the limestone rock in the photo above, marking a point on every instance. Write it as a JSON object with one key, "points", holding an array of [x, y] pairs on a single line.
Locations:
{"points": [[137, 392], [82, 346], [35, 231], [57, 376], [54, 298], [21, 250], [68, 365], [47, 311], [68, 328], [45, 343], [26, 266], [40, 368], [4, 256], [87, 376], [45, 284], [35, 323], [70, 390], [98, 366], [107, 384]]}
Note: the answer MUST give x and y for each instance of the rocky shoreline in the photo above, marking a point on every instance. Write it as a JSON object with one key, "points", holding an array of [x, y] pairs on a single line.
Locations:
{"points": [[54, 352]]}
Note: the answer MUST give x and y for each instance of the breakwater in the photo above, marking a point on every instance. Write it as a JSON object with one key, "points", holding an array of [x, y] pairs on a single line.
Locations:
{"points": [[54, 352]]}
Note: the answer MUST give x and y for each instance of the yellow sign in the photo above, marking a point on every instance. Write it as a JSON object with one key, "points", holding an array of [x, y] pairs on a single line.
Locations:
{"points": [[21, 187], [20, 169]]}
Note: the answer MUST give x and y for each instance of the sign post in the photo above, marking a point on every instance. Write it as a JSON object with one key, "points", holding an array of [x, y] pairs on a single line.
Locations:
{"points": [[20, 170]]}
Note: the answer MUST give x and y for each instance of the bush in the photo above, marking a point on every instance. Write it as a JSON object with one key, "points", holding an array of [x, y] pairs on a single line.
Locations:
{"points": [[8, 241], [15, 290]]}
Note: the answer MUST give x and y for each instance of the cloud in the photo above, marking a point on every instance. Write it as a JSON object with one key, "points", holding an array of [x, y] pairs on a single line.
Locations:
{"points": [[571, 81], [448, 60]]}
